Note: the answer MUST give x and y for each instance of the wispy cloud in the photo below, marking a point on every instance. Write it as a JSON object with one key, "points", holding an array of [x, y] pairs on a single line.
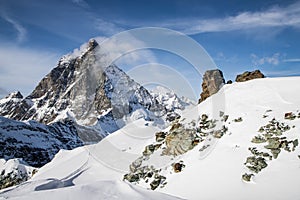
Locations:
{"points": [[292, 60], [273, 17], [224, 58], [81, 3], [282, 73], [106, 27], [22, 68], [273, 60], [163, 75], [125, 52], [21, 31]]}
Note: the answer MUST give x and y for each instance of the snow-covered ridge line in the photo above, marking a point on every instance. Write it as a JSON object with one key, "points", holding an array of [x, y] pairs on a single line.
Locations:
{"points": [[193, 174]]}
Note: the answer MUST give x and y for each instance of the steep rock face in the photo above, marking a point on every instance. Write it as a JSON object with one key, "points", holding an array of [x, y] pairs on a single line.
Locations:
{"points": [[213, 80], [13, 105], [246, 76], [36, 143], [81, 87]]}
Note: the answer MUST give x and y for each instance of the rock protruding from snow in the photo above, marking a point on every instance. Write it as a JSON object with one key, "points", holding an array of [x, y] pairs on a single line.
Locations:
{"points": [[213, 80], [14, 172], [246, 76]]}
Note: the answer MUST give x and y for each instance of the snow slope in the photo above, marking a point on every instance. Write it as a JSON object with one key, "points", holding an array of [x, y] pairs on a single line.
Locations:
{"points": [[96, 171]]}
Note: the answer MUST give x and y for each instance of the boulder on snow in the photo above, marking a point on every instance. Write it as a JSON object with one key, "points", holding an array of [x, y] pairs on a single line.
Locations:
{"points": [[290, 116], [178, 167], [246, 76], [179, 141], [247, 177], [213, 80]]}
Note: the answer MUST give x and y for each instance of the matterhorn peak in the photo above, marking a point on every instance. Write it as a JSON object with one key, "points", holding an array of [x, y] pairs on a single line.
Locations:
{"points": [[83, 88], [92, 44]]}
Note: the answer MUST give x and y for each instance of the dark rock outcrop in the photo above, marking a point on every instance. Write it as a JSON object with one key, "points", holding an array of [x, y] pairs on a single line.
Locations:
{"points": [[246, 76], [213, 80], [36, 143], [229, 82]]}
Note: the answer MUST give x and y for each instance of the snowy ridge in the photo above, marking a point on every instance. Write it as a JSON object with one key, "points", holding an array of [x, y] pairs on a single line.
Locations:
{"points": [[213, 172], [170, 100], [173, 104]]}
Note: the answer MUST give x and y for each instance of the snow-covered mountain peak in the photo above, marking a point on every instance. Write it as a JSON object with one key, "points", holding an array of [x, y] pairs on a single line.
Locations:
{"points": [[83, 88], [15, 95], [169, 99], [80, 52], [162, 90]]}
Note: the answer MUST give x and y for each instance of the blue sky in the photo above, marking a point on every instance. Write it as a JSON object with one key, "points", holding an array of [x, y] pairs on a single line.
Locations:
{"points": [[238, 35]]}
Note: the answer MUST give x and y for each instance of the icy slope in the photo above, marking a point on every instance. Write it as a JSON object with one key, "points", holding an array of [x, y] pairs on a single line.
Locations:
{"points": [[213, 167]]}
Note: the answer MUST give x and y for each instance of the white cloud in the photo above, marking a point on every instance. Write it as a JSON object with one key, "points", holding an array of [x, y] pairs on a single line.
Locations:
{"points": [[273, 17], [166, 76], [21, 31], [273, 60], [292, 60], [124, 52], [282, 73], [106, 27], [22, 68], [224, 58]]}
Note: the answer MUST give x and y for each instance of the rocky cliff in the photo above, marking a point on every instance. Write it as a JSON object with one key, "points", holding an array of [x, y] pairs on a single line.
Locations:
{"points": [[213, 80]]}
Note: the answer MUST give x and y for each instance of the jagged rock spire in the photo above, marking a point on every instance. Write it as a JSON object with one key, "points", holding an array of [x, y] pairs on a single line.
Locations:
{"points": [[213, 80]]}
